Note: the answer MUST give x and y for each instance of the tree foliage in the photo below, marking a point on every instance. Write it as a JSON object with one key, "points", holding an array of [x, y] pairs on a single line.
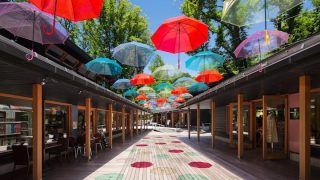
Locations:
{"points": [[157, 62]]}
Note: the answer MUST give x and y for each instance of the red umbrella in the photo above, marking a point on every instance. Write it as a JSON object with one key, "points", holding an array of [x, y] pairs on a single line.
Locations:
{"points": [[179, 99], [175, 105], [209, 76], [142, 79], [141, 97], [180, 34], [162, 100], [74, 10], [179, 90]]}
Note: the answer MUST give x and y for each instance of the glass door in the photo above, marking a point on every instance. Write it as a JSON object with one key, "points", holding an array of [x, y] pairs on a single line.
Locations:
{"points": [[275, 120]]}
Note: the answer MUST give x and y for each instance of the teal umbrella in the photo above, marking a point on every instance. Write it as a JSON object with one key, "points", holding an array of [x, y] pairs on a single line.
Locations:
{"points": [[186, 96], [163, 86], [130, 93], [205, 60], [198, 87], [184, 82], [104, 66], [142, 102]]}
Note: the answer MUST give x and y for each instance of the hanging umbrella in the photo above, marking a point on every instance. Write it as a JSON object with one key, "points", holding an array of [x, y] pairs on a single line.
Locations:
{"points": [[179, 90], [163, 86], [73, 10], [209, 76], [25, 20], [204, 61], [179, 100], [134, 54], [122, 84], [186, 96], [255, 45], [198, 87], [180, 34], [142, 79], [162, 100], [172, 98], [153, 95], [175, 105], [104, 66], [166, 72], [165, 93], [141, 102], [141, 97], [145, 90], [130, 93], [184, 82]]}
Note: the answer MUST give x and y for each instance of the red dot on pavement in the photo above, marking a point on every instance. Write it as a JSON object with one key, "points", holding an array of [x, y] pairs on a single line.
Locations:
{"points": [[142, 145], [160, 143], [176, 151], [141, 164], [175, 141], [200, 164]]}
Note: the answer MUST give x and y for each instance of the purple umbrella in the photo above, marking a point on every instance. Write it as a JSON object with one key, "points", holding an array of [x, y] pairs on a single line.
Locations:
{"points": [[26, 21], [258, 44]]}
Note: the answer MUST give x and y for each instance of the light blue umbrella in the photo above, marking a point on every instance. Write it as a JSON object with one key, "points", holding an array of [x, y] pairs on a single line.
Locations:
{"points": [[134, 54], [153, 95], [172, 98], [104, 66], [130, 93], [163, 86], [205, 60], [184, 82], [122, 84], [198, 87]]}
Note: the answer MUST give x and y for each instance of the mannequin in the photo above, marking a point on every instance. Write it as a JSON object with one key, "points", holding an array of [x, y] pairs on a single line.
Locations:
{"points": [[272, 134]]}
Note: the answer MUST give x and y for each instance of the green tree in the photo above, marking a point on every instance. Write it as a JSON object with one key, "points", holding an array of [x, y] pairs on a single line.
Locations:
{"points": [[157, 62]]}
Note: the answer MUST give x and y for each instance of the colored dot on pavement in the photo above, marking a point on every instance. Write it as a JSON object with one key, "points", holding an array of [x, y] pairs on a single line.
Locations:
{"points": [[175, 151], [176, 141], [191, 154], [192, 177], [141, 164], [142, 145], [160, 143], [110, 176], [162, 156], [200, 164]]}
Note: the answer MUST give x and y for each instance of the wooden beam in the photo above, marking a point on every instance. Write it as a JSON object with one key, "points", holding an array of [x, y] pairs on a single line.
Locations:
{"points": [[189, 114], [240, 126], [110, 119], [213, 122], [123, 124], [131, 123], [87, 127], [37, 131], [172, 119], [198, 121], [304, 127]]}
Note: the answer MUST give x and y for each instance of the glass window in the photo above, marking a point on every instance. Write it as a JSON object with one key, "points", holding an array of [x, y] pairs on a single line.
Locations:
{"points": [[55, 121]]}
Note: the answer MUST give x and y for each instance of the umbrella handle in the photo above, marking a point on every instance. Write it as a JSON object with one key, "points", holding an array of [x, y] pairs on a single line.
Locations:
{"points": [[52, 30], [30, 56]]}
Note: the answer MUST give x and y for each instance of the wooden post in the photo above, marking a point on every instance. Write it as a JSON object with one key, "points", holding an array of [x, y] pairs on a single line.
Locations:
{"points": [[131, 123], [37, 131], [213, 122], [304, 127], [189, 113], [88, 125], [123, 124], [240, 126], [137, 117], [106, 120], [198, 122], [172, 119], [110, 119]]}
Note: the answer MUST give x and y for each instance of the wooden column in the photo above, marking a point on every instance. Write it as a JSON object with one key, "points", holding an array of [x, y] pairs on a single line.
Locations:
{"points": [[189, 113], [198, 121], [304, 127], [106, 120], [110, 119], [240, 126], [172, 119], [137, 117], [88, 125], [123, 124], [213, 123], [37, 131], [131, 123]]}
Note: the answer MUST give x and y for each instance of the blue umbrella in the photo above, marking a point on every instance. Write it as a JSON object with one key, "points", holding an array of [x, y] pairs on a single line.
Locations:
{"points": [[153, 95], [184, 82], [163, 86], [198, 87], [172, 98], [104, 66], [130, 93], [205, 60], [122, 84], [134, 54]]}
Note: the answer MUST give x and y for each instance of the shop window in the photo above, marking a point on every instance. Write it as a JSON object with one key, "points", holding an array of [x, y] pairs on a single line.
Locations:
{"points": [[55, 121], [315, 125], [101, 127]]}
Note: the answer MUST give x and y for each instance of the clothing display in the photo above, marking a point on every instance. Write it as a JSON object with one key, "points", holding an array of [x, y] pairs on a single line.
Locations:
{"points": [[272, 134]]}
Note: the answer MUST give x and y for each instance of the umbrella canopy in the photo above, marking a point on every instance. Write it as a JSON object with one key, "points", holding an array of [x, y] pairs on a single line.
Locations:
{"points": [[163, 86], [142, 79], [209, 76], [204, 61], [145, 90], [153, 95], [179, 100], [166, 72], [179, 90], [134, 54], [165, 93], [184, 82], [162, 100], [73, 10], [175, 105], [141, 97], [130, 93], [255, 44], [180, 34], [141, 102], [198, 87], [104, 66], [172, 98], [122, 84], [186, 96]]}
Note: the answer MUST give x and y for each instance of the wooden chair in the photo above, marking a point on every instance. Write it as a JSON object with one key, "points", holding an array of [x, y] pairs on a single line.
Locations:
{"points": [[21, 157]]}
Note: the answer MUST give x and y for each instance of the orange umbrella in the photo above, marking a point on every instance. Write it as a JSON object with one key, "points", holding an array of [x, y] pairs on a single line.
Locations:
{"points": [[179, 99], [179, 90], [142, 79], [209, 76], [141, 97], [162, 100]]}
